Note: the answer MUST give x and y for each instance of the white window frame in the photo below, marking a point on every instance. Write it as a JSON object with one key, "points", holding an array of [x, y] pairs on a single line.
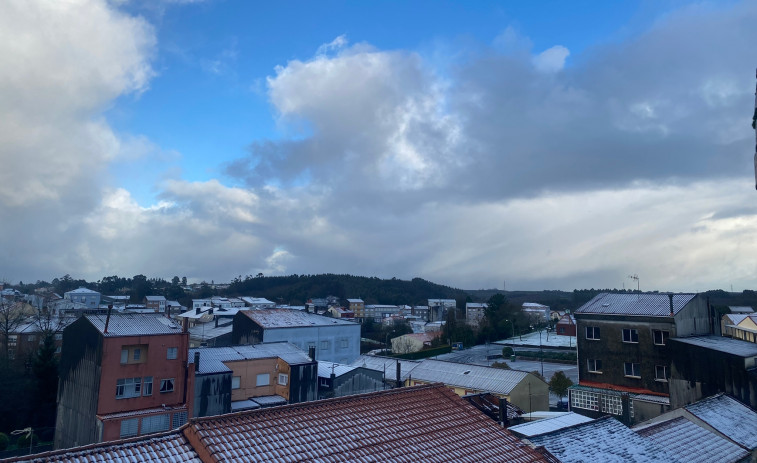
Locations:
{"points": [[324, 345], [595, 333], [631, 335], [283, 379], [127, 388], [665, 372], [172, 353], [155, 423], [263, 379], [179, 419], [594, 365], [136, 354], [635, 370], [165, 383], [236, 382], [147, 386], [664, 335], [129, 428]]}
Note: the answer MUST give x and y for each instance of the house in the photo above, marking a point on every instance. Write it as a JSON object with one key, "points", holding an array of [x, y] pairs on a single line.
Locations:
{"points": [[721, 415], [475, 312], [437, 308], [741, 309], [340, 312], [357, 306], [523, 389], [380, 311], [602, 440], [211, 334], [338, 380], [258, 302], [413, 342], [421, 311], [121, 376], [90, 299], [227, 379], [702, 366], [427, 423], [624, 351], [388, 366], [746, 329], [536, 313], [730, 321], [566, 326], [157, 303], [335, 340]]}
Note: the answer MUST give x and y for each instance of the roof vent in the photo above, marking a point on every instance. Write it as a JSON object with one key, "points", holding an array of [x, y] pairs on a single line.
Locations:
{"points": [[606, 304], [466, 372]]}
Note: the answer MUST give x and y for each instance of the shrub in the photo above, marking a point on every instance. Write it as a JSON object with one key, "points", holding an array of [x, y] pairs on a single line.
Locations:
{"points": [[507, 351], [23, 441], [4, 441]]}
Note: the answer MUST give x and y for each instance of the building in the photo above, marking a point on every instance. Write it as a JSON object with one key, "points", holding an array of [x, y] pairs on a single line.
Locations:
{"points": [[229, 379], [90, 299], [413, 342], [524, 390], [624, 356], [536, 313], [379, 312], [340, 312], [746, 329], [357, 306], [566, 326], [388, 366], [475, 312], [706, 365], [258, 303], [337, 380], [156, 303], [729, 323], [335, 340], [121, 376], [437, 309]]}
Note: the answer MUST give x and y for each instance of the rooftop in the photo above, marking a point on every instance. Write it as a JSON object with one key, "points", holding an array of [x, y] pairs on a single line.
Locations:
{"points": [[212, 359], [134, 324], [692, 443], [730, 417], [638, 304], [326, 368], [534, 428], [81, 291], [605, 439], [386, 364], [158, 448], [155, 298], [427, 423], [473, 377], [287, 318], [740, 309], [722, 344]]}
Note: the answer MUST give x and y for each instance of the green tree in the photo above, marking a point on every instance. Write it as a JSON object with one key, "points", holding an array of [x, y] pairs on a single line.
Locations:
{"points": [[559, 384]]}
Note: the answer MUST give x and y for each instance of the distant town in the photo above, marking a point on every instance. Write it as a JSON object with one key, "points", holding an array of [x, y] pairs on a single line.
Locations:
{"points": [[203, 372]]}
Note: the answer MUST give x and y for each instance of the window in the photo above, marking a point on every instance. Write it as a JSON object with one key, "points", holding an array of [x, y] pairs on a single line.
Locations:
{"points": [[179, 419], [137, 354], [128, 387], [324, 345], [155, 423], [660, 337], [59, 337], [263, 379], [661, 373], [630, 335], [632, 369], [344, 343], [171, 353], [124, 355], [166, 385], [584, 399], [592, 332], [283, 379], [134, 354], [147, 386], [12, 339], [594, 365], [235, 382], [129, 427]]}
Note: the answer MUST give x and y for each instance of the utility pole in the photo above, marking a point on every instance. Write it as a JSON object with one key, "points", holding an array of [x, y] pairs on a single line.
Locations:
{"points": [[754, 126]]}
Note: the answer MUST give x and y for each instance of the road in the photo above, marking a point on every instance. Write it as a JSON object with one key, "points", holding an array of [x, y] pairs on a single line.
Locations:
{"points": [[477, 355]]}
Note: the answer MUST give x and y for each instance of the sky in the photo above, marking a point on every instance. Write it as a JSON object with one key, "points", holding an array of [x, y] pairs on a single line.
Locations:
{"points": [[488, 144]]}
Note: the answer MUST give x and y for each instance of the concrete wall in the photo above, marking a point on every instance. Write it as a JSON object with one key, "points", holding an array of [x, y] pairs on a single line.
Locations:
{"points": [[531, 394], [695, 319], [358, 381]]}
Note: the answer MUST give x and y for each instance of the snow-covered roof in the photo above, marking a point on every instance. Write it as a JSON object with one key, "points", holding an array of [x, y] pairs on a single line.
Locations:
{"points": [[741, 309], [326, 368], [387, 364], [534, 305], [256, 300], [285, 318], [155, 298], [730, 417], [603, 440], [639, 304], [563, 420], [213, 359], [722, 344], [81, 291], [473, 377], [355, 301], [134, 324], [692, 443]]}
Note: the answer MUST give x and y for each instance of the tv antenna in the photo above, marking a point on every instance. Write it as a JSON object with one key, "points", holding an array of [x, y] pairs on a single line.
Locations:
{"points": [[635, 277]]}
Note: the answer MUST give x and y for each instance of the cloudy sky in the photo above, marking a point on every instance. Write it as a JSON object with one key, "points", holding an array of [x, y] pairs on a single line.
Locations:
{"points": [[548, 144]]}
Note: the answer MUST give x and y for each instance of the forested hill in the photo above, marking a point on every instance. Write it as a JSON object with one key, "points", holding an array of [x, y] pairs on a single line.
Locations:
{"points": [[296, 289]]}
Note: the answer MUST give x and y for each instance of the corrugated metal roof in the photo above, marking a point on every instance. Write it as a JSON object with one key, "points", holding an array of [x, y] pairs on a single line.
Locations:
{"points": [[288, 318], [474, 377], [730, 417], [157, 448], [326, 368], [722, 344], [212, 358], [534, 428], [155, 298], [692, 443], [741, 309], [602, 440], [134, 324], [387, 364], [429, 424], [652, 398], [643, 304]]}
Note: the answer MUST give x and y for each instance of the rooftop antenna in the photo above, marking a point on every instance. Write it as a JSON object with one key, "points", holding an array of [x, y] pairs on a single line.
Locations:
{"points": [[754, 126], [635, 277]]}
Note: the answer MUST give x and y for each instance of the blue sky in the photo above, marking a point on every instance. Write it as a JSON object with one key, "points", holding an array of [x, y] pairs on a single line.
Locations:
{"points": [[555, 145]]}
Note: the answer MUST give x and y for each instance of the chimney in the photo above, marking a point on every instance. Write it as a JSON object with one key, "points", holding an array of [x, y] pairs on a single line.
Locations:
{"points": [[670, 296], [107, 319], [184, 325], [311, 353], [503, 412], [399, 374], [168, 311], [216, 322], [197, 311], [197, 361]]}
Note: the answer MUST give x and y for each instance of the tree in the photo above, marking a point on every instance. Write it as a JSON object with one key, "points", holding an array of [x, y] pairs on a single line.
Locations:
{"points": [[11, 317], [559, 384]]}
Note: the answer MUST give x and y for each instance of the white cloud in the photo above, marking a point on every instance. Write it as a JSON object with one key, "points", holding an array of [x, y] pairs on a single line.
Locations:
{"points": [[337, 44], [551, 59]]}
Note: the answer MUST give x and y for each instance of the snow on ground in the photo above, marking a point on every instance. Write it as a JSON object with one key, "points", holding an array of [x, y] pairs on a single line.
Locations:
{"points": [[547, 340]]}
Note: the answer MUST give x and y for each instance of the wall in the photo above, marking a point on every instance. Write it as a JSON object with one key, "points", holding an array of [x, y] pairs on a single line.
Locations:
{"points": [[357, 381], [695, 319], [211, 394], [305, 336], [248, 370], [531, 394], [303, 382]]}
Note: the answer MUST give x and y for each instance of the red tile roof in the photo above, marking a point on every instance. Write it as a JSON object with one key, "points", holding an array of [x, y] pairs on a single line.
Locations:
{"points": [[422, 423]]}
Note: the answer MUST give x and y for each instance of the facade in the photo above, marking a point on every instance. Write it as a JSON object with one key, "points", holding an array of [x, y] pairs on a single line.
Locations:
{"points": [[729, 322], [536, 313], [120, 376], [357, 306], [746, 329], [90, 299], [413, 342], [624, 350], [157, 303], [566, 326], [258, 303], [706, 365], [228, 379], [335, 340], [337, 380], [474, 312]]}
